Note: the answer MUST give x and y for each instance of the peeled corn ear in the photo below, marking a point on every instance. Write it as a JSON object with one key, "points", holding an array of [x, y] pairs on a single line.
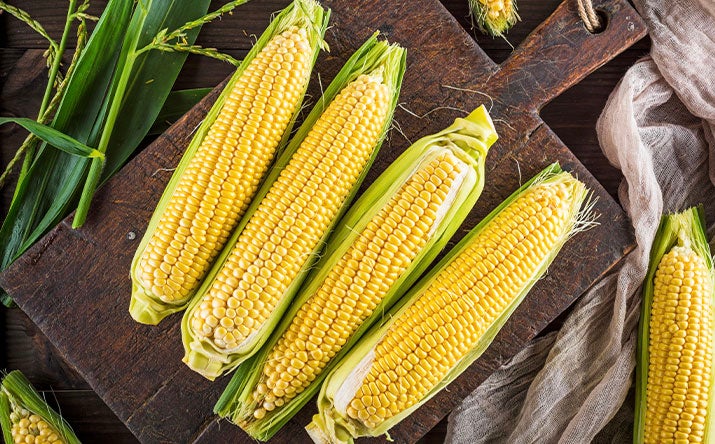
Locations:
{"points": [[675, 377], [382, 245], [286, 227], [26, 418], [225, 163], [451, 316]]}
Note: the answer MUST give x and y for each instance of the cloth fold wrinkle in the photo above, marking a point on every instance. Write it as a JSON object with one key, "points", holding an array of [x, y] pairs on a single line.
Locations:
{"points": [[657, 128]]}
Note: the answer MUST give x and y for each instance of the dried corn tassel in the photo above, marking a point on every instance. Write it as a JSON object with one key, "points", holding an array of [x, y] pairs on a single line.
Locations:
{"points": [[26, 418], [382, 245], [282, 233], [675, 377], [225, 163], [449, 318]]}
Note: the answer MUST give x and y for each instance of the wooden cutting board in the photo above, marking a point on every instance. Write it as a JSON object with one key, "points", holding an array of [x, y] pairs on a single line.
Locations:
{"points": [[75, 284]]}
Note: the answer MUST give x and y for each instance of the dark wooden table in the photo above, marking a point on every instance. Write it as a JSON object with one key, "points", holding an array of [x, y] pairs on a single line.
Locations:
{"points": [[572, 116]]}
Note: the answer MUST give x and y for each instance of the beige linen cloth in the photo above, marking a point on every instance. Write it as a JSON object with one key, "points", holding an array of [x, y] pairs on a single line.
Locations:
{"points": [[575, 385]]}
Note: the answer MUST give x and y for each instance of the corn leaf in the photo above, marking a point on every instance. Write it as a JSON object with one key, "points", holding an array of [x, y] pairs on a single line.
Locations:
{"points": [[50, 187], [152, 78], [53, 137], [54, 182]]}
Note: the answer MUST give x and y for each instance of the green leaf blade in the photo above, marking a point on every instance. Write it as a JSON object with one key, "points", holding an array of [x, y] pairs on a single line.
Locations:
{"points": [[52, 183], [55, 138]]}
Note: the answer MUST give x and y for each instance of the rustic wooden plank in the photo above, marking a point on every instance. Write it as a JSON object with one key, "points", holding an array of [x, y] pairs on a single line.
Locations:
{"points": [[523, 145]]}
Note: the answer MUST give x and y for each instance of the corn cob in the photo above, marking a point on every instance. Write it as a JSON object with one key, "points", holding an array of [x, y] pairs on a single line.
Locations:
{"points": [[279, 239], [225, 163], [449, 318], [26, 418], [382, 245], [674, 386], [494, 17]]}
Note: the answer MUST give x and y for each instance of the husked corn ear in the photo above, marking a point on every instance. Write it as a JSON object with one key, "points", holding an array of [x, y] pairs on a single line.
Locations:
{"points": [[293, 216], [447, 318], [680, 322], [26, 418], [494, 17], [356, 286], [282, 235], [210, 193], [379, 249]]}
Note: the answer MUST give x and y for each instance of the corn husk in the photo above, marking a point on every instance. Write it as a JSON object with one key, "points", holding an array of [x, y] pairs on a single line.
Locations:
{"points": [[16, 393], [494, 17]]}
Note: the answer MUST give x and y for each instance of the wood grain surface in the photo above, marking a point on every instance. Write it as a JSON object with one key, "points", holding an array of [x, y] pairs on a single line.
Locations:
{"points": [[148, 402]]}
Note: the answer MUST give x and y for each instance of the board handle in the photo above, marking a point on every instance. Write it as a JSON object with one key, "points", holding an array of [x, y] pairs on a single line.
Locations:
{"points": [[561, 51]]}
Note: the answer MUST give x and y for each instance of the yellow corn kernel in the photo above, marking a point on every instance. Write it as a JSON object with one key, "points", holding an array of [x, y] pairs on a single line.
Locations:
{"points": [[28, 427], [466, 297], [294, 215], [680, 349], [358, 282], [222, 177]]}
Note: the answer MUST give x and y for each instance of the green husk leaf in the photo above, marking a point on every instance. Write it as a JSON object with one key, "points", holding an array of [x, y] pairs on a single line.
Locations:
{"points": [[16, 390], [373, 55], [468, 139], [53, 137], [144, 307], [176, 105], [494, 26], [330, 426], [687, 227]]}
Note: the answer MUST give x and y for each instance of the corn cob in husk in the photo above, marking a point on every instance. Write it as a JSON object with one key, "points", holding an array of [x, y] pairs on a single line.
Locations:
{"points": [[674, 378]]}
